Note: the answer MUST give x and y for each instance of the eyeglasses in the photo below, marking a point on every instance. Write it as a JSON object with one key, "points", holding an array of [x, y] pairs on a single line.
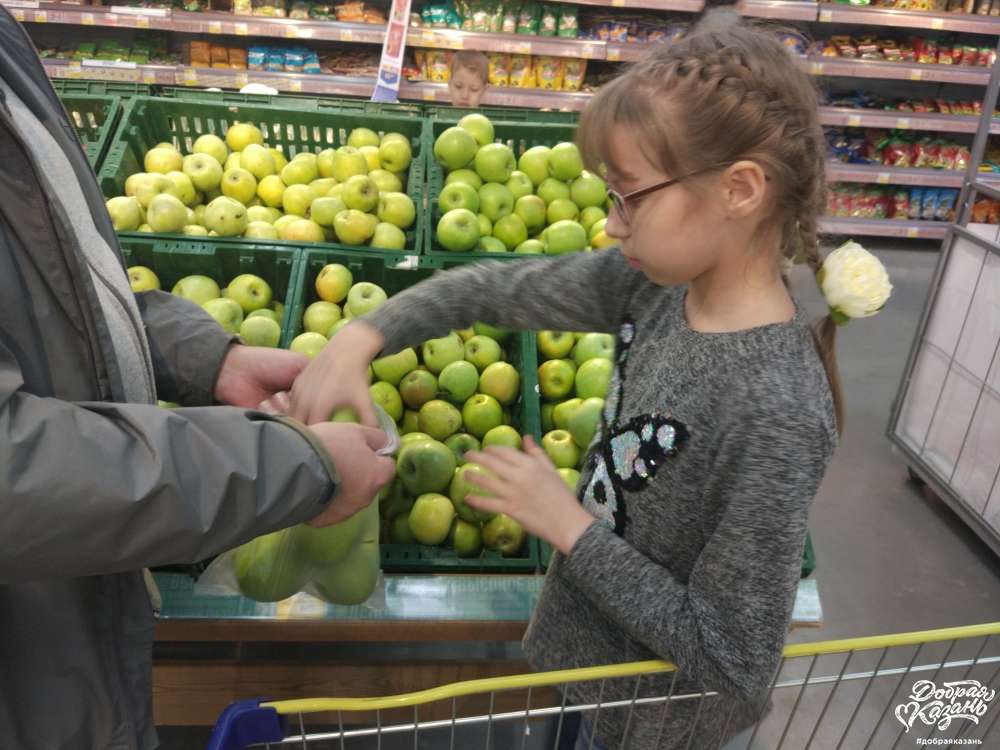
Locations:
{"points": [[621, 202]]}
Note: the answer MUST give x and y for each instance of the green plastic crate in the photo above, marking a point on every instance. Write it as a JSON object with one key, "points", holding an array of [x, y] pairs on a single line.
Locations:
{"points": [[415, 558], [94, 118], [123, 90], [222, 260], [147, 121], [500, 114], [297, 101], [520, 136]]}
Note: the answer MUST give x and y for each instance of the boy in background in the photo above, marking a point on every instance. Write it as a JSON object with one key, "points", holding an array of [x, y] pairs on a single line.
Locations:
{"points": [[469, 78]]}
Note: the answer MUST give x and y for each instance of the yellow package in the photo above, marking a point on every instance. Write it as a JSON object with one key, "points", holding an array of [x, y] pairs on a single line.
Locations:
{"points": [[499, 69], [549, 72], [438, 66], [522, 72], [420, 58], [574, 73]]}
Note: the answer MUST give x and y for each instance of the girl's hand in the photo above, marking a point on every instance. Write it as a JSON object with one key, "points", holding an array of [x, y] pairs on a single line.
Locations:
{"points": [[338, 377], [528, 488]]}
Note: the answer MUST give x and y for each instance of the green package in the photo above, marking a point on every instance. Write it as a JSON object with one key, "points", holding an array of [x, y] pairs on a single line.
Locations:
{"points": [[549, 24], [569, 22]]}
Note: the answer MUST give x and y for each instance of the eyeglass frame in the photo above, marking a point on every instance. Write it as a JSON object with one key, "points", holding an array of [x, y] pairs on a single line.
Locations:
{"points": [[620, 202]]}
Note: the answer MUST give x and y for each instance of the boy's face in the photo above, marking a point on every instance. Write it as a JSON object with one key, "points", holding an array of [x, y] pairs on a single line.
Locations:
{"points": [[466, 87]]}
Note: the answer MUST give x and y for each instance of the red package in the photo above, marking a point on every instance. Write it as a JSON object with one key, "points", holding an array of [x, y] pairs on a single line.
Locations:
{"points": [[907, 53], [962, 158], [934, 155], [898, 153], [900, 205], [924, 106], [945, 56], [948, 156], [975, 107], [970, 55], [832, 201], [844, 205], [943, 107], [927, 51], [987, 57], [922, 156], [881, 206]]}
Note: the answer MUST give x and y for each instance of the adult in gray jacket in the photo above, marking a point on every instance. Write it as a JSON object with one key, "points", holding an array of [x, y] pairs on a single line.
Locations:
{"points": [[96, 481]]}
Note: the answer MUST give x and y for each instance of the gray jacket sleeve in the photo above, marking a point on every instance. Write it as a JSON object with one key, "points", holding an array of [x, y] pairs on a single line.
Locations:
{"points": [[579, 292], [187, 346], [94, 488]]}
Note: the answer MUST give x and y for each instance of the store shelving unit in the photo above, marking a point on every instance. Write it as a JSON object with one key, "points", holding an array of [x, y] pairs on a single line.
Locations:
{"points": [[907, 19]]}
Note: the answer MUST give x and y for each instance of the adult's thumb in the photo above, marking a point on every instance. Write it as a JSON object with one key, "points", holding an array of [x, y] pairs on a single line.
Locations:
{"points": [[374, 437], [385, 470]]}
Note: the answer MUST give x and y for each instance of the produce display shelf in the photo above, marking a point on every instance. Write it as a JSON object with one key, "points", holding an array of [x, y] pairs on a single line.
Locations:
{"points": [[908, 19], [928, 230], [295, 101], [66, 86], [895, 120], [518, 44], [94, 118], [99, 70], [878, 69], [882, 175]]}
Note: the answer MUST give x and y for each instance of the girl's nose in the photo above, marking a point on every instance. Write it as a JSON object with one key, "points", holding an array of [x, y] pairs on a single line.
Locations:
{"points": [[615, 226]]}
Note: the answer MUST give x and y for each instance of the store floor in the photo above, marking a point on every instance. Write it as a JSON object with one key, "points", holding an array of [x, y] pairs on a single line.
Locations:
{"points": [[889, 560]]}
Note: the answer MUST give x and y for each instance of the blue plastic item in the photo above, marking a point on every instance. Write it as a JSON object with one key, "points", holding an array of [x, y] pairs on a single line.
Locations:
{"points": [[246, 723]]}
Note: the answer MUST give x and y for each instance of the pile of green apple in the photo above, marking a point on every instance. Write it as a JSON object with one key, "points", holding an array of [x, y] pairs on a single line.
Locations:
{"points": [[238, 187], [493, 201], [573, 378], [245, 306]]}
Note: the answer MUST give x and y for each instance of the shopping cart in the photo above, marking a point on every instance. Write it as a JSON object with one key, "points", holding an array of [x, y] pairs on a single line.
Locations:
{"points": [[937, 688]]}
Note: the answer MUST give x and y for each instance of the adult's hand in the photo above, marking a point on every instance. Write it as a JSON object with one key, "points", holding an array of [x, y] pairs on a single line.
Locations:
{"points": [[252, 374]]}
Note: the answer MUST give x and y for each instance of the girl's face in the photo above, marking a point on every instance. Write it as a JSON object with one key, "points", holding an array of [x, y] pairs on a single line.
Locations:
{"points": [[466, 87], [674, 234]]}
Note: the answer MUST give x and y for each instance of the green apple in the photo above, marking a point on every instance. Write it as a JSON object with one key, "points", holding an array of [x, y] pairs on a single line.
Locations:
{"points": [[562, 209], [199, 214], [240, 185], [199, 289], [251, 292], [320, 316], [142, 279], [593, 378], [563, 411], [548, 421], [267, 569], [271, 191], [555, 344], [555, 379], [227, 312], [465, 176], [511, 231], [399, 529], [258, 161], [345, 414], [594, 346], [535, 163], [395, 367], [260, 331], [461, 487], [431, 518], [385, 181], [348, 162], [584, 421], [439, 419], [297, 199], [331, 544], [495, 162], [364, 297], [482, 351], [353, 579], [565, 162], [458, 195], [602, 240], [354, 227], [324, 162], [268, 313], [360, 193], [281, 224], [458, 230], [299, 171], [502, 381], [571, 477], [308, 343], [279, 159], [425, 466], [552, 189], [388, 237], [485, 225], [485, 329], [495, 201], [530, 247], [372, 157], [232, 162], [504, 535], [465, 538], [565, 237], [596, 228], [322, 185], [439, 353], [590, 216], [479, 126], [242, 134], [490, 245], [588, 190], [166, 214], [145, 186], [163, 160], [211, 145], [461, 443], [480, 414], [333, 282], [519, 185], [410, 422], [258, 213], [393, 500], [561, 449], [125, 212], [203, 170], [395, 155], [397, 209], [458, 381], [418, 387], [385, 395], [302, 230], [503, 436], [195, 230], [324, 210], [455, 148], [363, 137]]}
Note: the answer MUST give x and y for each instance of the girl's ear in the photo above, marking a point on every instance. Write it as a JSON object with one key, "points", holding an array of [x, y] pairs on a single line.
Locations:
{"points": [[744, 187]]}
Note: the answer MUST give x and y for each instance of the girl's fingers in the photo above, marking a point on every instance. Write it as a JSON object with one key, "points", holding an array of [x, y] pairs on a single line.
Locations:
{"points": [[489, 484], [487, 504], [534, 450], [487, 461]]}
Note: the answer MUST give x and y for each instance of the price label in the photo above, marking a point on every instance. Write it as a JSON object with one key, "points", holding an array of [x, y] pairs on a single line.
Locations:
{"points": [[87, 19], [916, 75], [826, 15], [41, 16], [614, 54], [241, 29], [20, 3], [853, 121], [882, 178], [148, 76], [346, 35], [291, 32], [522, 48], [18, 14], [429, 95], [214, 27], [912, 233], [118, 64], [242, 79], [142, 22], [74, 70], [903, 123], [816, 69], [190, 77], [617, 3], [295, 85], [587, 51], [937, 23]]}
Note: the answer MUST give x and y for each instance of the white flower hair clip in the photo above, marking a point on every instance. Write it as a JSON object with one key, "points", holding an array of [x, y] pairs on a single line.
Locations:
{"points": [[854, 282]]}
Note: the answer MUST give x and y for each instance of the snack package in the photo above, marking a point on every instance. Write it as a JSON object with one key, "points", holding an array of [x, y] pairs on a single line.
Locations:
{"points": [[220, 57], [795, 42], [311, 64], [322, 11], [574, 73], [522, 72], [299, 10], [928, 210], [499, 69], [916, 203], [275, 60], [946, 204], [981, 211], [294, 60], [549, 24], [200, 54], [510, 14], [257, 58], [901, 204], [549, 72], [529, 18], [242, 7], [438, 65], [897, 153], [569, 22], [237, 58], [269, 8], [495, 17], [350, 12]]}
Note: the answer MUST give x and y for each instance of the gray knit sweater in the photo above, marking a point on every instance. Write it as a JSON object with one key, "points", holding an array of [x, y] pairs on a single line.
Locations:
{"points": [[711, 450]]}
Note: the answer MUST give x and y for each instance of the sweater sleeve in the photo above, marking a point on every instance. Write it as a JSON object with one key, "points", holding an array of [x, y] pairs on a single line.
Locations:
{"points": [[579, 292], [726, 625]]}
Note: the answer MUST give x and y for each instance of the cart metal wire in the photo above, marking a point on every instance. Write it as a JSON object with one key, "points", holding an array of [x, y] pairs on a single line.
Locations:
{"points": [[936, 688]]}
